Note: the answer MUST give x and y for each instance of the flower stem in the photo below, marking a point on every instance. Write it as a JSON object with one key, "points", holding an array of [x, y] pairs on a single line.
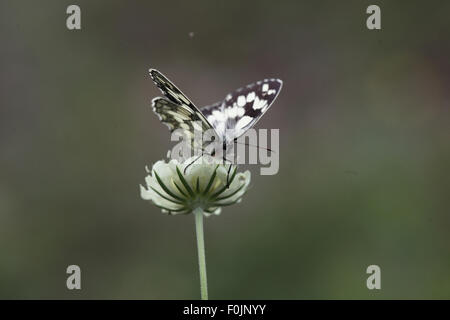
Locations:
{"points": [[198, 213]]}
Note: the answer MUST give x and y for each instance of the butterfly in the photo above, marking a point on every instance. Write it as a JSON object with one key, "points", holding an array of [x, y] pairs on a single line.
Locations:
{"points": [[229, 118]]}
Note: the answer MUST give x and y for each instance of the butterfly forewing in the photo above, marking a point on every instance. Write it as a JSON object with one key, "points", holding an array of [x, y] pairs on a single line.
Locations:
{"points": [[177, 111], [242, 109]]}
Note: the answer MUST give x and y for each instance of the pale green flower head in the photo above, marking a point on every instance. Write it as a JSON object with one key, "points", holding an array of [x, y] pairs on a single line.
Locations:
{"points": [[203, 185]]}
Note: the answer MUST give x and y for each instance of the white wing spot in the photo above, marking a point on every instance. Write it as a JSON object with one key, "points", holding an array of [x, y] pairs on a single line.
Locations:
{"points": [[232, 111], [219, 116], [251, 97], [265, 87], [245, 120], [241, 101], [178, 116], [197, 126], [259, 103]]}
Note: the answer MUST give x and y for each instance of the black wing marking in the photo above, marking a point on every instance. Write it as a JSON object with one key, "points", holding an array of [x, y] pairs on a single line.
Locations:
{"points": [[208, 110]]}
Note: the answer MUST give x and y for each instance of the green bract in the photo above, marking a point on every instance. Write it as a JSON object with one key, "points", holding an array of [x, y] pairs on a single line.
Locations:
{"points": [[204, 186]]}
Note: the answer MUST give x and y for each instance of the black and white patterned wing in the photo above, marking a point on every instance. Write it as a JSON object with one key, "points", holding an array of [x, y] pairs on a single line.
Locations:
{"points": [[176, 117], [176, 110], [243, 108], [216, 117]]}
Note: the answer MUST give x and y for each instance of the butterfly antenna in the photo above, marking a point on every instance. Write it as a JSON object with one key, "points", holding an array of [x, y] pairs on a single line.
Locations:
{"points": [[252, 145], [185, 168]]}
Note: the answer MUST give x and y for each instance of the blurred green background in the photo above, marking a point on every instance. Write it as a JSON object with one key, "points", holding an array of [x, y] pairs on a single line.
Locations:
{"points": [[364, 159]]}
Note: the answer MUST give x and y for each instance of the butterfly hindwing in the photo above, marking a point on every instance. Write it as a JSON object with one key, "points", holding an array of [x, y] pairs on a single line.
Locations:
{"points": [[173, 115]]}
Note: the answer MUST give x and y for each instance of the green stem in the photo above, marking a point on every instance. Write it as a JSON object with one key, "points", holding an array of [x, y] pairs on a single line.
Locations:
{"points": [[198, 213]]}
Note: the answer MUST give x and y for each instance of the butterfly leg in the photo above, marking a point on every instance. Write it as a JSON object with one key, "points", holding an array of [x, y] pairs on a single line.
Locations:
{"points": [[228, 176], [224, 158], [231, 163], [192, 162], [229, 168], [212, 155]]}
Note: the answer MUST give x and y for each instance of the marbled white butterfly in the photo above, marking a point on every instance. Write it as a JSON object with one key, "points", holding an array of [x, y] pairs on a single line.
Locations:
{"points": [[229, 118]]}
